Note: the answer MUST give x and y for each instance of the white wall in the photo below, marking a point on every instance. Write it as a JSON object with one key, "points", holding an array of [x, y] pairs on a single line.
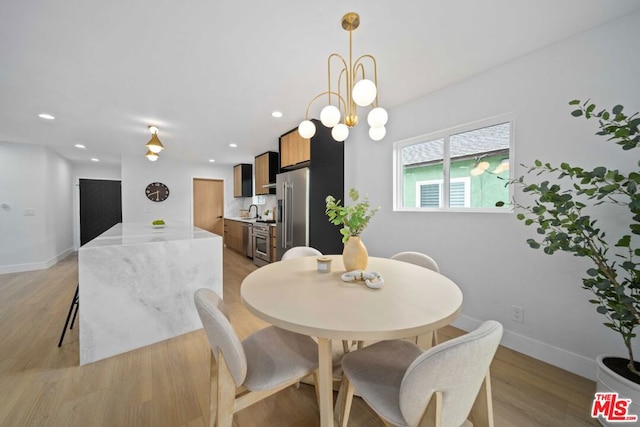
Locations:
{"points": [[486, 254], [138, 172], [34, 177]]}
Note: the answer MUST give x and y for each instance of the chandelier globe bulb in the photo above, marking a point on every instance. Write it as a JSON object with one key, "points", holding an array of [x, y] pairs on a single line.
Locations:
{"points": [[307, 129], [340, 132], [330, 116], [364, 92], [377, 133], [377, 117]]}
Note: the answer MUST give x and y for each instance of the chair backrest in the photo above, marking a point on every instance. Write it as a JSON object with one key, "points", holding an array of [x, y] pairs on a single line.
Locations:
{"points": [[220, 333], [456, 368], [417, 258], [300, 251]]}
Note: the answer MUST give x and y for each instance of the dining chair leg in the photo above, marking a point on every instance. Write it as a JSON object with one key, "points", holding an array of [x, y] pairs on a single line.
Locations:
{"points": [[226, 395], [213, 392], [315, 386], [481, 414], [347, 398], [74, 304]]}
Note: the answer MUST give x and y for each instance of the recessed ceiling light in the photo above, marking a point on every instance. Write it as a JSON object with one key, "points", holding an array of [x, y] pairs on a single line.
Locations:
{"points": [[212, 160], [79, 146], [46, 116], [95, 160], [277, 114], [232, 145]]}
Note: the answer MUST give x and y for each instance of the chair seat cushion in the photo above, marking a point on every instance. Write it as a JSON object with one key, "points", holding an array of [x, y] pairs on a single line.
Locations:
{"points": [[377, 371], [275, 356]]}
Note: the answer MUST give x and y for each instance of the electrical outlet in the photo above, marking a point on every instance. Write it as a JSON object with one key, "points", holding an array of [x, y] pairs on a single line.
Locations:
{"points": [[517, 313]]}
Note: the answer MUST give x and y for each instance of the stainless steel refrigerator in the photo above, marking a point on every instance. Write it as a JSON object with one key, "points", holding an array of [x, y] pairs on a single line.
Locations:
{"points": [[292, 222], [300, 216]]}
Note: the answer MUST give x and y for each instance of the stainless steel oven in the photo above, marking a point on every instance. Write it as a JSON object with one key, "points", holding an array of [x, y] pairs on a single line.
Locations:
{"points": [[261, 244]]}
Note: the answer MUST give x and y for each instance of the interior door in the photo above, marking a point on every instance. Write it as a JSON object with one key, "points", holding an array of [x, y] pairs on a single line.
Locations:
{"points": [[208, 204], [100, 207]]}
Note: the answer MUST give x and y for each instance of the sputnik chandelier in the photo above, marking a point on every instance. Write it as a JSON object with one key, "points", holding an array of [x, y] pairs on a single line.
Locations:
{"points": [[154, 146], [349, 94]]}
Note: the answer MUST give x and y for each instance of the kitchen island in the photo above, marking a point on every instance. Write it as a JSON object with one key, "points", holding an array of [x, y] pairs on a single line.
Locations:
{"points": [[137, 284]]}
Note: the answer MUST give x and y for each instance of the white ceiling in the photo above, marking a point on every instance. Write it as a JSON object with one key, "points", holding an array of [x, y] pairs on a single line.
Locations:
{"points": [[209, 73]]}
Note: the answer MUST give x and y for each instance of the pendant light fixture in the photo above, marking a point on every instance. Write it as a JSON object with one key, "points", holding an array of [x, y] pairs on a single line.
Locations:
{"points": [[154, 146], [352, 89]]}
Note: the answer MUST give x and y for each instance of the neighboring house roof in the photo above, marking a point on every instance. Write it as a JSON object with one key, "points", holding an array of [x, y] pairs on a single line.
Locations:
{"points": [[475, 142]]}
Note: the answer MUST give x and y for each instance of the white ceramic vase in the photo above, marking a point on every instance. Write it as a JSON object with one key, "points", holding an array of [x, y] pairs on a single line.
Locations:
{"points": [[608, 381]]}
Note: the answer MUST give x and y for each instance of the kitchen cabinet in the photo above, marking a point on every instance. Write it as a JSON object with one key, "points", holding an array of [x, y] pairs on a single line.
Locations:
{"points": [[266, 169], [295, 151], [233, 235], [242, 180]]}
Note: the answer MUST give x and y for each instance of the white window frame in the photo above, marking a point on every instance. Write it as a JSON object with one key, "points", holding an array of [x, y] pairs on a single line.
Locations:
{"points": [[445, 134], [440, 182]]}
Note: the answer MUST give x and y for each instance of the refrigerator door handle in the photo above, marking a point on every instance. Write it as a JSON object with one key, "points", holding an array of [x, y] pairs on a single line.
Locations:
{"points": [[289, 240], [285, 215]]}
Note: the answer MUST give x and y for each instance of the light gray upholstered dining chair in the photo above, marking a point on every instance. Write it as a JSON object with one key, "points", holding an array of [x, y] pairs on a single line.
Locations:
{"points": [[245, 372], [443, 386], [422, 260], [417, 258], [300, 251]]}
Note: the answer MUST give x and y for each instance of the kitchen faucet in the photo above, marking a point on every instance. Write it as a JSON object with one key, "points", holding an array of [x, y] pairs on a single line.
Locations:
{"points": [[254, 206]]}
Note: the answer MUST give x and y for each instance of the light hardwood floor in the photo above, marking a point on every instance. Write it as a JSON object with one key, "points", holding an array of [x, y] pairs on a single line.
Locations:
{"points": [[166, 384]]}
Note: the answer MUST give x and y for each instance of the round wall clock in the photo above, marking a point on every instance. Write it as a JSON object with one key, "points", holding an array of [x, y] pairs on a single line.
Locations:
{"points": [[157, 192]]}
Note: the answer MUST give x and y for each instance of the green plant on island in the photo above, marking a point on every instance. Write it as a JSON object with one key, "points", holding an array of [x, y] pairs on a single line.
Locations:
{"points": [[563, 218], [353, 218]]}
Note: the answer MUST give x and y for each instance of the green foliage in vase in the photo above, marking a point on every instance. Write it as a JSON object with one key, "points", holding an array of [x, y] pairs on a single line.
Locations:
{"points": [[560, 213], [353, 218]]}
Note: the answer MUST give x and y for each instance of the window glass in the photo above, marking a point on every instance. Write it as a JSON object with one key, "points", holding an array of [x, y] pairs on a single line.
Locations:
{"points": [[462, 168]]}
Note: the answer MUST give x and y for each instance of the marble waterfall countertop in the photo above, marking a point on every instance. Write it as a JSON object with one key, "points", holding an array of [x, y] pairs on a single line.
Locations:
{"points": [[137, 284]]}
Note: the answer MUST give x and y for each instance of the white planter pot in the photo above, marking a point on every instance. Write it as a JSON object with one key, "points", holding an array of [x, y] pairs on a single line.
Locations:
{"points": [[608, 381]]}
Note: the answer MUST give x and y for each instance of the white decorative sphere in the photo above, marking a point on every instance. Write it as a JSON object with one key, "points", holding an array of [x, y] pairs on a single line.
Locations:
{"points": [[340, 132], [377, 133], [330, 116], [377, 117], [307, 129], [364, 92]]}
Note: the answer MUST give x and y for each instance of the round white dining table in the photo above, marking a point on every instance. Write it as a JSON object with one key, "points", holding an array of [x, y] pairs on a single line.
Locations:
{"points": [[293, 295]]}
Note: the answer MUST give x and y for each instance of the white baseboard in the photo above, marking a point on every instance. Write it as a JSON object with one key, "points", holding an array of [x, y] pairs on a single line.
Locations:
{"points": [[572, 362], [32, 266]]}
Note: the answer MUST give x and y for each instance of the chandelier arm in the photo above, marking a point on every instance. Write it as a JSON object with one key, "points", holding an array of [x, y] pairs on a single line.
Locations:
{"points": [[344, 63], [340, 98], [359, 63], [343, 71]]}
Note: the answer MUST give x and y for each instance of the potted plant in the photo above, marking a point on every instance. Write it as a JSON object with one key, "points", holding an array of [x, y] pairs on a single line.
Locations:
{"points": [[563, 218], [353, 219]]}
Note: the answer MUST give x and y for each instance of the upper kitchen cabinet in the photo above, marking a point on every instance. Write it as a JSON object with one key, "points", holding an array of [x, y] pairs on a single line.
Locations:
{"points": [[266, 170], [320, 153], [242, 180], [295, 151]]}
